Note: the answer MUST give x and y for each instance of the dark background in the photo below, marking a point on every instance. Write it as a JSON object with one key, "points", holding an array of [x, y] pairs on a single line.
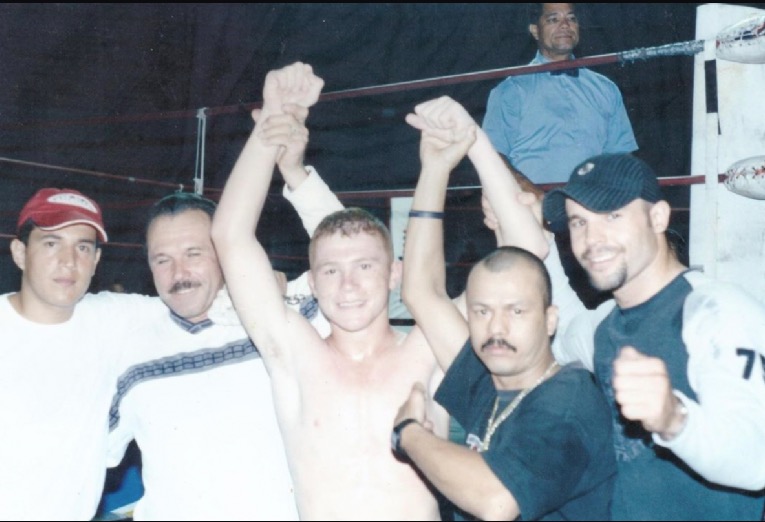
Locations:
{"points": [[103, 98]]}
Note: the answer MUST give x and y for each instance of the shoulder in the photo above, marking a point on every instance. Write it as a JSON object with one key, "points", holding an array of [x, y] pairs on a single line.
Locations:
{"points": [[572, 388], [117, 306], [593, 76], [722, 294], [723, 300], [511, 85], [604, 84]]}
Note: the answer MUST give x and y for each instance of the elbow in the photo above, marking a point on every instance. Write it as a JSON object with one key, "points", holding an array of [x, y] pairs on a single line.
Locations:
{"points": [[220, 233], [499, 507]]}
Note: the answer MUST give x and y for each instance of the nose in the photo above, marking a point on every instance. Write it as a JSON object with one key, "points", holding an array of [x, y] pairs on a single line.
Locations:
{"points": [[348, 280], [179, 270], [68, 256], [594, 233], [499, 326]]}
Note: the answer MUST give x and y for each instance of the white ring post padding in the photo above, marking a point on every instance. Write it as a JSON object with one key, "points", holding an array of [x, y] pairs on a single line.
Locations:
{"points": [[746, 177], [743, 42], [712, 182]]}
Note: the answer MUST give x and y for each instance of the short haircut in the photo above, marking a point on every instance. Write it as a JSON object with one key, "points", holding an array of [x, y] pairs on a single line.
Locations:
{"points": [[177, 203], [349, 222], [535, 11], [25, 230], [505, 257]]}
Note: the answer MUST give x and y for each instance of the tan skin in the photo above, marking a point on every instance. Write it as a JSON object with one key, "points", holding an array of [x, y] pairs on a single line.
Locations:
{"points": [[506, 305], [556, 31], [57, 269], [183, 262], [625, 251], [335, 398]]}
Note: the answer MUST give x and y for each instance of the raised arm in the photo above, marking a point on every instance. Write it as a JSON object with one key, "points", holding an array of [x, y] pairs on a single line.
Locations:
{"points": [[517, 224], [303, 187], [447, 132], [249, 276]]}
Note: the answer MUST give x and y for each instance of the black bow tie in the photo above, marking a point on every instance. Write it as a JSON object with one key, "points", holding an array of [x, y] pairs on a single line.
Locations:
{"points": [[571, 72]]}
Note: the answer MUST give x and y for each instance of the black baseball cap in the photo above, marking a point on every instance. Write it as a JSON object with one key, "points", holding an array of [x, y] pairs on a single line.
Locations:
{"points": [[602, 183]]}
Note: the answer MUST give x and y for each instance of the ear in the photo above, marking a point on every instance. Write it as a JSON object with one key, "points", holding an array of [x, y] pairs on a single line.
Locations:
{"points": [[98, 258], [19, 253], [311, 283], [534, 30], [659, 214], [396, 271], [552, 320]]}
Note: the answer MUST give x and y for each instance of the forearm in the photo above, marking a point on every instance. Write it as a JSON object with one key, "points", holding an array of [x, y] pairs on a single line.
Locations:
{"points": [[312, 199], [724, 434], [424, 263], [723, 441], [424, 284], [460, 474], [244, 194], [518, 225]]}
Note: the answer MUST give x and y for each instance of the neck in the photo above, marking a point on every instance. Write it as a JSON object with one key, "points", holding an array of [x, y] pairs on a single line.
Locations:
{"points": [[39, 312], [556, 57], [540, 373], [366, 343], [649, 282]]}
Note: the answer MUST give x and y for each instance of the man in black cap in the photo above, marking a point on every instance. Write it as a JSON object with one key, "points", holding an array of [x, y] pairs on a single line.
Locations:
{"points": [[680, 357]]}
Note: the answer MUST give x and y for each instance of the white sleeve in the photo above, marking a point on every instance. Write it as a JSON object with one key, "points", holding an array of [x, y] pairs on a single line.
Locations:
{"points": [[563, 296], [578, 340], [724, 436], [117, 443], [312, 199]]}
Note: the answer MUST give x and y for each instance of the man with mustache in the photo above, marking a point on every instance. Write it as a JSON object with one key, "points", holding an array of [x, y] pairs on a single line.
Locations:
{"points": [[197, 400], [681, 357], [538, 434], [545, 123]]}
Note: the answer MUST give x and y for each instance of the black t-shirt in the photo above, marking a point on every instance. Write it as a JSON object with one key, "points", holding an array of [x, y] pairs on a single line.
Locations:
{"points": [[554, 453]]}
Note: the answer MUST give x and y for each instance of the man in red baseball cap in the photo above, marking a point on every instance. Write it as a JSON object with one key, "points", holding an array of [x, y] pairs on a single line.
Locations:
{"points": [[53, 209], [59, 360]]}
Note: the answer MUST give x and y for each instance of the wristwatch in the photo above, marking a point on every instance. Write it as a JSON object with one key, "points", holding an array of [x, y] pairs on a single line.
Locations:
{"points": [[395, 438]]}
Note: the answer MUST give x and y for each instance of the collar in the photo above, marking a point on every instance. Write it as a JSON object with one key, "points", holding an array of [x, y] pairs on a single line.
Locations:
{"points": [[192, 328], [540, 59]]}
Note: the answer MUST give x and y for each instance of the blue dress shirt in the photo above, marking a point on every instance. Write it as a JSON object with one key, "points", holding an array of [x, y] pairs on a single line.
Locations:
{"points": [[547, 124]]}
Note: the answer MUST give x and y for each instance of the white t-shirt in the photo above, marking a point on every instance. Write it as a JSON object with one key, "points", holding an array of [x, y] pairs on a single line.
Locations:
{"points": [[56, 384]]}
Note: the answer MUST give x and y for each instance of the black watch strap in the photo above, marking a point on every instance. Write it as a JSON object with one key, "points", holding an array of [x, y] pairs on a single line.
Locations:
{"points": [[395, 438]]}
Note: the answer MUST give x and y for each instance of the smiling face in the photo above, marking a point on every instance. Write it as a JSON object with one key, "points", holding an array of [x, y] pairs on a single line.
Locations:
{"points": [[351, 277], [617, 248], [556, 31], [510, 323], [57, 269], [183, 262]]}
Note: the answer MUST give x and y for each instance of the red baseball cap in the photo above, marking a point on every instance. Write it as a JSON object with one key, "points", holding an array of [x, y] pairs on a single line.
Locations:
{"points": [[52, 209]]}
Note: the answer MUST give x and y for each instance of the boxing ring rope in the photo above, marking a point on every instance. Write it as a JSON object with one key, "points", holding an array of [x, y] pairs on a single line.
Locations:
{"points": [[745, 31]]}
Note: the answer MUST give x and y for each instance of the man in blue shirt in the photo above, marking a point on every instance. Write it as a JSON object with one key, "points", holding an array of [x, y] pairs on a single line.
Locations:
{"points": [[546, 123]]}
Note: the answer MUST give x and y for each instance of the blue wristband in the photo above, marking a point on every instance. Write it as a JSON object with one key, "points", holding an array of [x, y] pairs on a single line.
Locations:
{"points": [[426, 214]]}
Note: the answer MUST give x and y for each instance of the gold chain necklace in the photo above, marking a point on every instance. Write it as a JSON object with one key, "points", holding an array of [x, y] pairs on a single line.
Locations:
{"points": [[493, 424]]}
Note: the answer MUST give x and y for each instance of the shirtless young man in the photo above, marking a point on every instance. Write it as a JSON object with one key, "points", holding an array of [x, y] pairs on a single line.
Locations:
{"points": [[336, 398]]}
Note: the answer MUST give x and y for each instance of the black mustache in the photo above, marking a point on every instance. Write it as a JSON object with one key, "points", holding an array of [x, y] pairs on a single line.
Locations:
{"points": [[183, 285], [498, 342]]}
